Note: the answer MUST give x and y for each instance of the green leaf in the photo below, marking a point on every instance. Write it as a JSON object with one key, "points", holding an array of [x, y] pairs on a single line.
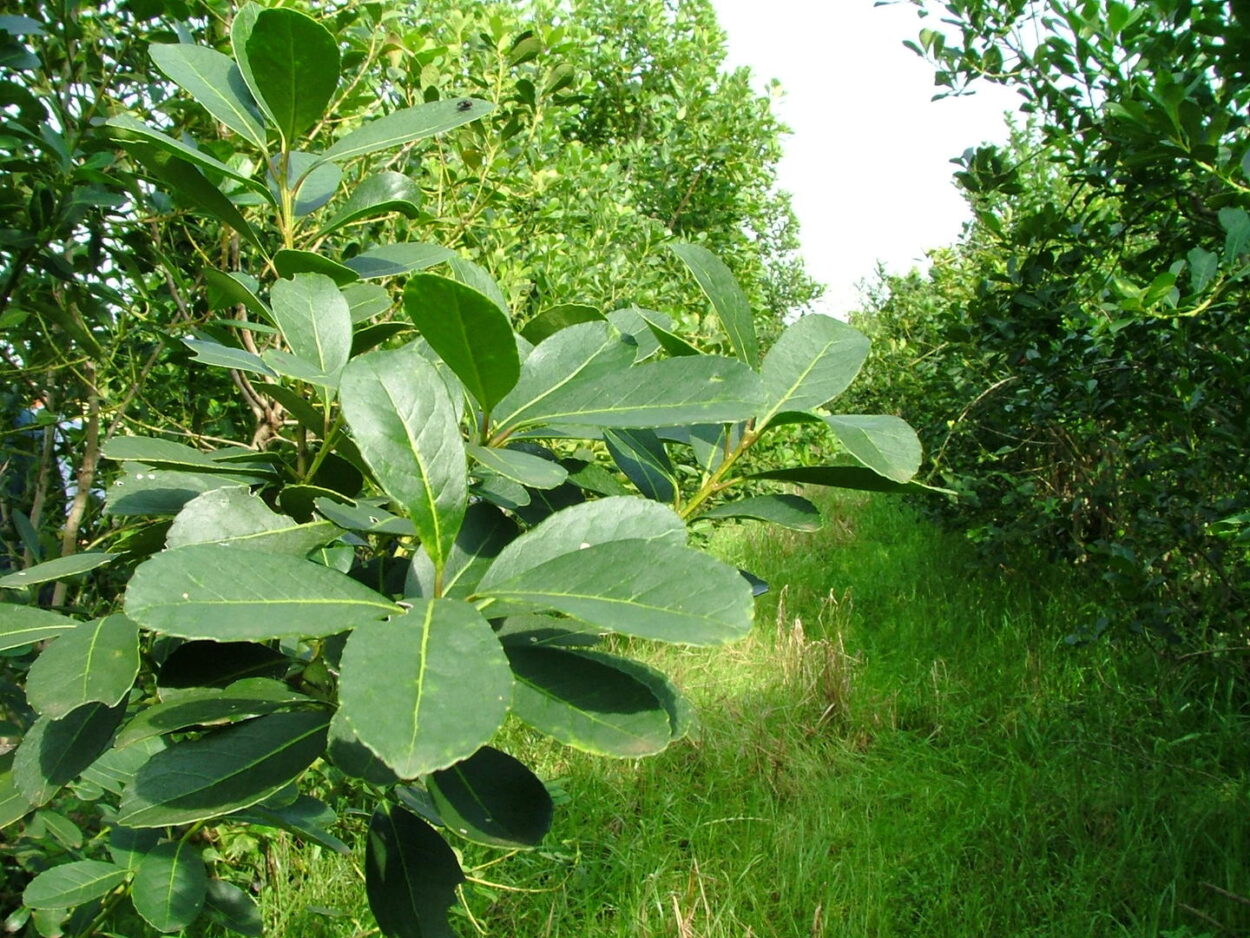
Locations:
{"points": [[425, 689], [645, 588], [305, 817], [116, 768], [353, 758], [220, 593], [411, 875], [886, 445], [54, 752], [169, 886], [377, 195], [189, 182], [485, 532], [234, 909], [550, 321], [95, 663], [363, 340], [289, 262], [162, 453], [224, 356], [1203, 267], [789, 511], [294, 64], [240, 31], [727, 298], [366, 300], [365, 517], [407, 125], [237, 517], [25, 625], [403, 422], [130, 128], [581, 526], [643, 459], [845, 477], [522, 468], [637, 331], [215, 81], [672, 392], [584, 702], [491, 798], [13, 804], [315, 320], [814, 361], [163, 492], [219, 664], [204, 706], [314, 181], [390, 260], [232, 289], [59, 569], [469, 333], [223, 771], [71, 884], [478, 278]]}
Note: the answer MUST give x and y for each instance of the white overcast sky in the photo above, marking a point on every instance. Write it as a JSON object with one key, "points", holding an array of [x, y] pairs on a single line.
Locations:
{"points": [[868, 163]]}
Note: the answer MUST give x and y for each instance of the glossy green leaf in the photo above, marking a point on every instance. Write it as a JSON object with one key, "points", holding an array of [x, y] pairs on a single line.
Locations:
{"points": [[294, 64], [485, 532], [13, 804], [71, 884], [645, 588], [289, 262], [814, 361], [468, 331], [641, 456], [305, 817], [234, 289], [550, 321], [225, 356], [130, 128], [425, 689], [56, 827], [636, 330], [587, 703], [370, 337], [194, 187], [224, 771], [390, 260], [377, 195], [478, 278], [522, 468], [116, 768], [846, 477], [407, 125], [233, 908], [169, 885], [240, 31], [162, 453], [727, 298], [145, 491], [95, 663], [491, 798], [215, 81], [788, 511], [59, 569], [366, 518], [315, 320], [239, 518], [128, 846], [313, 181], [225, 593], [403, 422], [54, 752], [204, 706], [674, 391], [353, 758], [886, 445], [411, 875], [292, 366], [25, 625]]}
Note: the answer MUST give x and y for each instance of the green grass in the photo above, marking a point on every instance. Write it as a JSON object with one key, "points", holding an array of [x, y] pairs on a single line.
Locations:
{"points": [[905, 746]]}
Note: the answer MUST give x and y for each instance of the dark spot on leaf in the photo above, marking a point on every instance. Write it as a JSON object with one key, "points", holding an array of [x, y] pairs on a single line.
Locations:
{"points": [[464, 105]]}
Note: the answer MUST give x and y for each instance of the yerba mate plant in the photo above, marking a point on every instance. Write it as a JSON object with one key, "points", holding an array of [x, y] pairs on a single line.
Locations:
{"points": [[442, 518]]}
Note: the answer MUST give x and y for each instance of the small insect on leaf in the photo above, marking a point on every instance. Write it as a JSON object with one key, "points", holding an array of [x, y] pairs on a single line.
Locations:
{"points": [[464, 105]]}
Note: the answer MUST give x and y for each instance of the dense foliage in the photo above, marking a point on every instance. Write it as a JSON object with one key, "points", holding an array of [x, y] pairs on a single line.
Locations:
{"points": [[452, 487], [1077, 364]]}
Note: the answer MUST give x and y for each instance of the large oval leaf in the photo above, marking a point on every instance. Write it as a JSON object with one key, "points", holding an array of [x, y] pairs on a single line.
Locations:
{"points": [[645, 588], [217, 592], [169, 886], [224, 771], [411, 875], [886, 445], [97, 662], [403, 422], [25, 625], [491, 798], [236, 516], [315, 320], [390, 260], [468, 331], [203, 706], [814, 361], [215, 81], [294, 63], [788, 511], [71, 884], [54, 752], [406, 125], [583, 701], [727, 298], [425, 689]]}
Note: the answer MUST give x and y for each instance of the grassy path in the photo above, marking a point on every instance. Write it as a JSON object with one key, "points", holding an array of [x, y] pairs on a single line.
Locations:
{"points": [[905, 747]]}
